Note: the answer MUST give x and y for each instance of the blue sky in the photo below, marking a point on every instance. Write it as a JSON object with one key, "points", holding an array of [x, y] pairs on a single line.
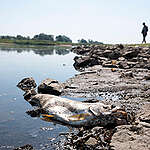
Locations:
{"points": [[108, 21]]}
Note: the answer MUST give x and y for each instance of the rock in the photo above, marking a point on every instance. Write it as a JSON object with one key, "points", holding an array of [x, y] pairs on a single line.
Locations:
{"points": [[50, 86], [138, 56], [131, 64], [84, 61], [80, 50], [147, 77], [144, 115], [103, 58], [145, 60], [146, 48], [115, 55], [135, 59], [130, 54], [35, 112], [134, 136], [27, 84], [147, 66], [120, 46], [25, 147], [145, 124], [143, 55], [107, 53], [91, 141], [128, 74], [134, 54], [111, 54], [127, 137], [28, 94], [109, 65], [121, 59], [123, 65], [90, 101]]}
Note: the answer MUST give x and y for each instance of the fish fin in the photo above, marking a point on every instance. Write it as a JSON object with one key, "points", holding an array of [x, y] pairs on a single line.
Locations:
{"points": [[46, 119], [47, 116]]}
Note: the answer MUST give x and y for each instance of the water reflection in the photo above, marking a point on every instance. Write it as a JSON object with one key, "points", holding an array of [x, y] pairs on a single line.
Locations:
{"points": [[16, 127], [42, 51]]}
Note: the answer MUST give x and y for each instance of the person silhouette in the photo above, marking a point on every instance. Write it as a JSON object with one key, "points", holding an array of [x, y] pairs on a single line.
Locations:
{"points": [[144, 32]]}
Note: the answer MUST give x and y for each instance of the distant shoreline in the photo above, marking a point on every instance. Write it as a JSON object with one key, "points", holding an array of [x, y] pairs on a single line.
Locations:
{"points": [[35, 43], [54, 43], [25, 45]]}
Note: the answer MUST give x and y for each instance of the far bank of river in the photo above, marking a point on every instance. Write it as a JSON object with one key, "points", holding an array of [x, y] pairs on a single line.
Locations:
{"points": [[38, 43]]}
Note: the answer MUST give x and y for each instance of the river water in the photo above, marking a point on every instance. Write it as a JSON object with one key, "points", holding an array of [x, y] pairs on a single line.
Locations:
{"points": [[16, 63]]}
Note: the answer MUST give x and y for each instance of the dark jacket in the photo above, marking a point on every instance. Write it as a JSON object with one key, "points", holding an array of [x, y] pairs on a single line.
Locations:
{"points": [[145, 30]]}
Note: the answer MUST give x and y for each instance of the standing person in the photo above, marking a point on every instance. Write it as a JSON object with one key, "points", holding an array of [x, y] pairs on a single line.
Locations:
{"points": [[144, 32]]}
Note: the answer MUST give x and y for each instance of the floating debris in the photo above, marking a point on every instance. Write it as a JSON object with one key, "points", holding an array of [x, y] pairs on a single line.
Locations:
{"points": [[46, 128]]}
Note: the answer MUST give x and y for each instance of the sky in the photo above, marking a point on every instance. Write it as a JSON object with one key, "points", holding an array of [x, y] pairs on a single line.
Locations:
{"points": [[107, 21]]}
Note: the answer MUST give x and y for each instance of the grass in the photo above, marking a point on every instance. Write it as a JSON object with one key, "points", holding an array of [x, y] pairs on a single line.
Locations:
{"points": [[40, 42], [140, 45], [33, 42], [49, 43]]}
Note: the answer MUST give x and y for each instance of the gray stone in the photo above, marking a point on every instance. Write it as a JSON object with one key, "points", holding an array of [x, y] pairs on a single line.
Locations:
{"points": [[85, 61], [131, 54], [91, 141], [50, 86], [27, 84]]}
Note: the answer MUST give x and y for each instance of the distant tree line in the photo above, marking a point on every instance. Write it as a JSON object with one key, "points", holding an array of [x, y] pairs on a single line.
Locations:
{"points": [[83, 41], [42, 36], [18, 37]]}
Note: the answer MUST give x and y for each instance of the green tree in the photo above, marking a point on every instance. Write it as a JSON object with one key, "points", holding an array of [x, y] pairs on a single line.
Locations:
{"points": [[82, 41], [43, 36], [20, 37], [94, 42], [7, 37], [63, 38]]}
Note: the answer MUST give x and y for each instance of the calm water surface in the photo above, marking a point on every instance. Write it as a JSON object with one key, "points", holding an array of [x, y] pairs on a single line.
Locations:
{"points": [[16, 127]]}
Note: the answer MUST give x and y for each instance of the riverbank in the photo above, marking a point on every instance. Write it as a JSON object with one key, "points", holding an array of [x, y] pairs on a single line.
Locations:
{"points": [[49, 43], [117, 75], [35, 42]]}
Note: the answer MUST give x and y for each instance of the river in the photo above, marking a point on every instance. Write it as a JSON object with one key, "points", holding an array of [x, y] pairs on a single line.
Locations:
{"points": [[16, 127]]}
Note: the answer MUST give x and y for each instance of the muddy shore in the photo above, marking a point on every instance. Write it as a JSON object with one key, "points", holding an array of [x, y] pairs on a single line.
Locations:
{"points": [[118, 75]]}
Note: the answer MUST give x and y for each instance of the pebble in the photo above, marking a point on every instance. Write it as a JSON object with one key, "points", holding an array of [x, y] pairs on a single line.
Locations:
{"points": [[46, 128]]}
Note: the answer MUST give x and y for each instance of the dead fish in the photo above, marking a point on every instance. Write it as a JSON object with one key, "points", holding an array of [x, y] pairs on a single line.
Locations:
{"points": [[76, 113]]}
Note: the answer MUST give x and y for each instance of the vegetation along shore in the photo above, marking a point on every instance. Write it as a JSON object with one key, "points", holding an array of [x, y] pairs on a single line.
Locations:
{"points": [[44, 39]]}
